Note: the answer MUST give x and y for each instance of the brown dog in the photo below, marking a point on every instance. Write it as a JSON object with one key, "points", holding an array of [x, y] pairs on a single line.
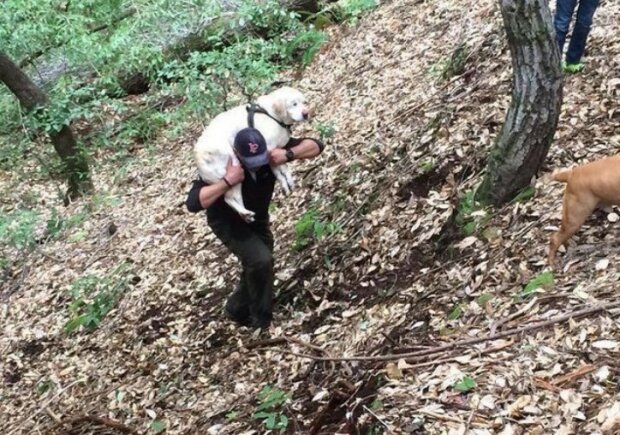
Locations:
{"points": [[588, 186]]}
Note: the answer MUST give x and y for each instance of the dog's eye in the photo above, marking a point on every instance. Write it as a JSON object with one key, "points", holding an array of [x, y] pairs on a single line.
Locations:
{"points": [[294, 104]]}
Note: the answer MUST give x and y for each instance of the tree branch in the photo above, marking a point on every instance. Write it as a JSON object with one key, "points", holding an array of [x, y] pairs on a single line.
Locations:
{"points": [[468, 342]]}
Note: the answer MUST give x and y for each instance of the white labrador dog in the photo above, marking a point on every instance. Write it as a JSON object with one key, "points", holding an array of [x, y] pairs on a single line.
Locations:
{"points": [[214, 148]]}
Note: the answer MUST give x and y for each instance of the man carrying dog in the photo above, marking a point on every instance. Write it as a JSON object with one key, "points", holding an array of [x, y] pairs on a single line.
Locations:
{"points": [[251, 302]]}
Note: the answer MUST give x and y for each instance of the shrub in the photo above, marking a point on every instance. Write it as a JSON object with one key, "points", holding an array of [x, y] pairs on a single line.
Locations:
{"points": [[93, 297]]}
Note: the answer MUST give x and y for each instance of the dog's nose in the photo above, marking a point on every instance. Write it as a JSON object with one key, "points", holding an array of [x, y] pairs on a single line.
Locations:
{"points": [[305, 114]]}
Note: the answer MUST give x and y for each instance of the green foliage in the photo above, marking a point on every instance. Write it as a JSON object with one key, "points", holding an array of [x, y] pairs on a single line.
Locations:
{"points": [[310, 229], [17, 229], [100, 42], [93, 297], [57, 225], [304, 46], [427, 166], [525, 194], [44, 386], [470, 215], [232, 415], [158, 426], [456, 312], [449, 67], [484, 299], [466, 384], [326, 130], [544, 280], [269, 409], [351, 10]]}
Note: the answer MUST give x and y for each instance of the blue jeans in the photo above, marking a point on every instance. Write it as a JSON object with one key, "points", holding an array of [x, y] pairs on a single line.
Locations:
{"points": [[563, 16]]}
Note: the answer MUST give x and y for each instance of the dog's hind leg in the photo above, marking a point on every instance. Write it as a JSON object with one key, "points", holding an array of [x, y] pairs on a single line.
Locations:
{"points": [[234, 198]]}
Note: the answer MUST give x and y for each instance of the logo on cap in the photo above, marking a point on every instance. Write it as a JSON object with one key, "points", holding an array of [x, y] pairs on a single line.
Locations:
{"points": [[253, 147]]}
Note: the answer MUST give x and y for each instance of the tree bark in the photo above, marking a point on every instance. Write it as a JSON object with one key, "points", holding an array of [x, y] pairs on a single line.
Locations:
{"points": [[532, 118], [303, 6], [75, 165]]}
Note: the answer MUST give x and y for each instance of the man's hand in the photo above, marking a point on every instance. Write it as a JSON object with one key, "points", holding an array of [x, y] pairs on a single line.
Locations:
{"points": [[234, 173], [277, 156]]}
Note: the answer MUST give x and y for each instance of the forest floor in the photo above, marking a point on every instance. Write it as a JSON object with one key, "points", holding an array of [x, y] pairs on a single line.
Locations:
{"points": [[412, 98]]}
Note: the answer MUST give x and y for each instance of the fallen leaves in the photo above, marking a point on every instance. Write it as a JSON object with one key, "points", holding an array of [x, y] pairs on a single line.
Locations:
{"points": [[405, 148]]}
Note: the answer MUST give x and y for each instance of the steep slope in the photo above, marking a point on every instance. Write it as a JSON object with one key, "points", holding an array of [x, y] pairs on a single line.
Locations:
{"points": [[414, 94]]}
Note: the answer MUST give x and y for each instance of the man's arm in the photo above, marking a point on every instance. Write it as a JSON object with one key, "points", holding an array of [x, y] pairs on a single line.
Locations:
{"points": [[301, 148], [203, 195]]}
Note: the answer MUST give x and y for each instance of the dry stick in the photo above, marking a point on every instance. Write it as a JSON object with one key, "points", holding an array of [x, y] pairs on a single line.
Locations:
{"points": [[268, 342], [44, 407], [455, 358], [303, 343], [377, 417], [457, 344], [513, 316], [445, 417], [104, 421], [281, 340], [570, 377]]}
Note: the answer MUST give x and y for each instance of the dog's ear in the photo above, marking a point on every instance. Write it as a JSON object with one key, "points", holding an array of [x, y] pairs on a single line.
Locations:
{"points": [[279, 107]]}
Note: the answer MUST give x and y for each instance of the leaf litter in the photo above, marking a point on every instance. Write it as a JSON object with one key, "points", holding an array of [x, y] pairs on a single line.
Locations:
{"points": [[409, 140]]}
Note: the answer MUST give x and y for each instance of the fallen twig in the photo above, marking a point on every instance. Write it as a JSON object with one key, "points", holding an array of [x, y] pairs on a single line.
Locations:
{"points": [[468, 342], [377, 417], [264, 343], [570, 377], [44, 407], [513, 316], [438, 416], [103, 421]]}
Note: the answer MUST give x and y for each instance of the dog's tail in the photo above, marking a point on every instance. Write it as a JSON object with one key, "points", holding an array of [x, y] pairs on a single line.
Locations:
{"points": [[561, 176]]}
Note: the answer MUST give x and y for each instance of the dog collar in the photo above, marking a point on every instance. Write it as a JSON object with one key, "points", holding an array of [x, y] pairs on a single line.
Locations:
{"points": [[255, 108]]}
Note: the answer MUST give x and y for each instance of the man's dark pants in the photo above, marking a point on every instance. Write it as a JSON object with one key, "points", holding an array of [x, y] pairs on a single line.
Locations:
{"points": [[251, 302], [563, 16]]}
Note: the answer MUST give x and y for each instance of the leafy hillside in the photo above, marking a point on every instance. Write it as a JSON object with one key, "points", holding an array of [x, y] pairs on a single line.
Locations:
{"points": [[112, 316]]}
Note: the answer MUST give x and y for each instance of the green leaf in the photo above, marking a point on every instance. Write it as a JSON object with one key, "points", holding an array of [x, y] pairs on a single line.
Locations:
{"points": [[270, 421], [158, 426], [376, 405], [484, 299], [283, 423], [232, 415], [456, 312], [465, 385], [545, 281], [524, 195]]}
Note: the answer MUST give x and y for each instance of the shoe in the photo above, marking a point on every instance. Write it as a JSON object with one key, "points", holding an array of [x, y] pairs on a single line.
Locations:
{"points": [[572, 68], [241, 318], [237, 308], [260, 323]]}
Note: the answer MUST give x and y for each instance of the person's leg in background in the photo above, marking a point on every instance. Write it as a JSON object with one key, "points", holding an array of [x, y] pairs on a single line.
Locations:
{"points": [[563, 15], [583, 24]]}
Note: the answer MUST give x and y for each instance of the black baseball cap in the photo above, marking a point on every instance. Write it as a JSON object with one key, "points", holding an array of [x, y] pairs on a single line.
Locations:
{"points": [[251, 148]]}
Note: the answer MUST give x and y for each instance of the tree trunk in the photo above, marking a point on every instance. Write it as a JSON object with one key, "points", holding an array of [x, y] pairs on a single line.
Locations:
{"points": [[75, 166], [533, 115], [303, 6]]}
